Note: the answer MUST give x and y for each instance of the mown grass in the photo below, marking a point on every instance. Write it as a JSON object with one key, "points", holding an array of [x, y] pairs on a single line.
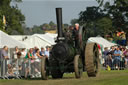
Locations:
{"points": [[105, 78]]}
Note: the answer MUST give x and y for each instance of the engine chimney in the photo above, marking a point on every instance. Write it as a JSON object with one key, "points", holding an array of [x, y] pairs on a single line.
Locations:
{"points": [[59, 24]]}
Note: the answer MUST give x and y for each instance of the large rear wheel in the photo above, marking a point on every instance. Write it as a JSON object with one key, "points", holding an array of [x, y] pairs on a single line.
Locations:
{"points": [[92, 59], [78, 66]]}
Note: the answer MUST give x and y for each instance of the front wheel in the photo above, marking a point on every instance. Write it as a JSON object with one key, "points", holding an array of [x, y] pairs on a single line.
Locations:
{"points": [[78, 66], [55, 70]]}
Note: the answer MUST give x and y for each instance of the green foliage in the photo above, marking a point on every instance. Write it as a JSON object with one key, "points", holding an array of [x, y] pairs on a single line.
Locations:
{"points": [[73, 21], [37, 29], [92, 19], [1, 22], [118, 12], [91, 14], [14, 17], [104, 25], [105, 18], [42, 28]]}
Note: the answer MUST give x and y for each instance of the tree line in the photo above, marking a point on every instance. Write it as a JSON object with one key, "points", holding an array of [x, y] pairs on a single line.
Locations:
{"points": [[108, 17], [103, 19]]}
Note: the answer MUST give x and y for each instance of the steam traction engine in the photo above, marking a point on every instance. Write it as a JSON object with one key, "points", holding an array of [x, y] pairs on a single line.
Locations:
{"points": [[65, 57]]}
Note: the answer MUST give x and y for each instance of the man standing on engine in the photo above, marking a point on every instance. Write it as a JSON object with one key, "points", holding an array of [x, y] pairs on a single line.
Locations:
{"points": [[76, 34]]}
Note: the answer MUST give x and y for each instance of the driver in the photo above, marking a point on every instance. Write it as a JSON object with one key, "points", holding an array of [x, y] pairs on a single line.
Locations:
{"points": [[76, 34]]}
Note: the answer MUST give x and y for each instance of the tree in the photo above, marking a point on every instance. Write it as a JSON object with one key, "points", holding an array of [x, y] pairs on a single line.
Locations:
{"points": [[14, 17], [1, 22], [89, 18], [104, 25], [37, 30], [117, 11], [52, 25], [91, 14], [73, 21]]}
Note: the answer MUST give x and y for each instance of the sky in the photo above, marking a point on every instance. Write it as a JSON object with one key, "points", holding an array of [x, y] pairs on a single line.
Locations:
{"points": [[38, 12]]}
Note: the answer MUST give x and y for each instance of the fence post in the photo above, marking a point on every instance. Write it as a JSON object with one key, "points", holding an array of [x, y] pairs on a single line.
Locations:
{"points": [[29, 66]]}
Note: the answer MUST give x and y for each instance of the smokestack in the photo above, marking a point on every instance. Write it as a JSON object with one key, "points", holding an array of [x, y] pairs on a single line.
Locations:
{"points": [[59, 22]]}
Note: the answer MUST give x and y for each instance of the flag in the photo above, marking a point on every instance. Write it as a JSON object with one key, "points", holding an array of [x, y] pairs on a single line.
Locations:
{"points": [[4, 22]]}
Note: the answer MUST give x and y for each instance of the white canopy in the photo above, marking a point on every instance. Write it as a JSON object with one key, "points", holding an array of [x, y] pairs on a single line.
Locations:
{"points": [[40, 40], [6, 40], [101, 41]]}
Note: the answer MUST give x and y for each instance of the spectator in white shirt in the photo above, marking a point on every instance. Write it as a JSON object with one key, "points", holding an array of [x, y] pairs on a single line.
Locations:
{"points": [[47, 53]]}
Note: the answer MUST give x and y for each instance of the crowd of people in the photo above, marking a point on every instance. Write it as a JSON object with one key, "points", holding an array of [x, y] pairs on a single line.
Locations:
{"points": [[115, 58], [23, 63], [118, 37]]}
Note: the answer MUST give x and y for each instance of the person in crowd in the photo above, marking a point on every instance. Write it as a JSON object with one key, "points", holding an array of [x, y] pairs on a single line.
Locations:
{"points": [[34, 49], [28, 58], [126, 57], [108, 60], [117, 57], [123, 38], [3, 60], [105, 55], [16, 56], [100, 53], [47, 52], [122, 60], [23, 54], [17, 59], [10, 71], [29, 54], [22, 64], [15, 52], [42, 51], [112, 50], [37, 63]]}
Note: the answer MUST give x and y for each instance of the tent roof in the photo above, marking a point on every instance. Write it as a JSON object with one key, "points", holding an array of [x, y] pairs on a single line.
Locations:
{"points": [[46, 37], [101, 41], [40, 40], [5, 39]]}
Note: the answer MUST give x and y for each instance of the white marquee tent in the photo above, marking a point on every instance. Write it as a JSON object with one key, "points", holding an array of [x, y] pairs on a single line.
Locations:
{"points": [[101, 41], [5, 39], [39, 40]]}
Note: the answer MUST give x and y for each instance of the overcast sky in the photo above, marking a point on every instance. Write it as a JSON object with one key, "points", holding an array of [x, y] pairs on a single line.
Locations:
{"points": [[38, 12]]}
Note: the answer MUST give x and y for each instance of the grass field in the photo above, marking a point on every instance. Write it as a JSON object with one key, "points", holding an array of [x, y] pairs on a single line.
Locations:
{"points": [[105, 78]]}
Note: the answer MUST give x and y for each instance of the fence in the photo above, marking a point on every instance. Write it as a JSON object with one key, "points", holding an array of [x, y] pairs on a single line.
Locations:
{"points": [[19, 68]]}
